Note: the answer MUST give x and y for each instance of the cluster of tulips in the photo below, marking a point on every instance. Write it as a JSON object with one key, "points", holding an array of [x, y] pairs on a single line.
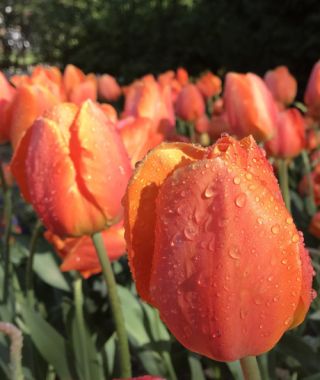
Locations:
{"points": [[169, 170]]}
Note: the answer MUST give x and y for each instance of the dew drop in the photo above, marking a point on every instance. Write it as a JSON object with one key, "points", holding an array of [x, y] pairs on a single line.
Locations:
{"points": [[284, 261], [234, 253], [260, 220], [190, 232], [295, 238], [236, 180], [275, 299], [209, 192], [275, 229], [289, 220], [249, 176], [243, 313], [241, 199]]}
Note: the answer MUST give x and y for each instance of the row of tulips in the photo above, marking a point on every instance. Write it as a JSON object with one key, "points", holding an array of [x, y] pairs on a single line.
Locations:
{"points": [[212, 282]]}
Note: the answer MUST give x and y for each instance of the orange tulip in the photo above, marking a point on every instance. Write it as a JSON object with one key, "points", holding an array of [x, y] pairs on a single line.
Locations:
{"points": [[209, 85], [304, 186], [190, 104], [146, 98], [138, 137], [182, 76], [249, 106], [108, 88], [7, 93], [282, 85], [314, 227], [79, 253], [312, 93], [72, 166], [30, 102], [289, 139], [213, 247]]}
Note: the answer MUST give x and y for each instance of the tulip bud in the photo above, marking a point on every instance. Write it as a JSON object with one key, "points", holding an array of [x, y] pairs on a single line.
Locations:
{"points": [[282, 85], [289, 139], [312, 93], [249, 106], [212, 246], [190, 104], [72, 166]]}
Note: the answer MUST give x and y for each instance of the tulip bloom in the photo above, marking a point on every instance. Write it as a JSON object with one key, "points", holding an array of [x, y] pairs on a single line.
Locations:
{"points": [[108, 88], [289, 139], [314, 227], [282, 85], [72, 166], [79, 253], [209, 85], [312, 93], [7, 93], [30, 102], [249, 106], [213, 247], [190, 104]]}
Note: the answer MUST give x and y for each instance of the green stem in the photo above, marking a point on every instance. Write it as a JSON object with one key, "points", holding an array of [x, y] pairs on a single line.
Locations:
{"points": [[32, 249], [78, 300], [311, 206], [250, 368], [118, 317], [284, 182], [7, 196], [15, 349]]}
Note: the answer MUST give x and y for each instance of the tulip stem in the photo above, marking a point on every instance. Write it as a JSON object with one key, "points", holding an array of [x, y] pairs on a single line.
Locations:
{"points": [[311, 206], [78, 301], [115, 303], [250, 368], [284, 182], [32, 249], [7, 217]]}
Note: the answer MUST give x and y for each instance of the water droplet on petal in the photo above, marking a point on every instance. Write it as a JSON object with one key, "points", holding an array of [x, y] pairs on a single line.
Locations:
{"points": [[236, 180], [284, 261], [241, 199], [234, 253], [275, 229], [295, 238], [209, 192], [190, 232], [289, 220], [249, 176]]}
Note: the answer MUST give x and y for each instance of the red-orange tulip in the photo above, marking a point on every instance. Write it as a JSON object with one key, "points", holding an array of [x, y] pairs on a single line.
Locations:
{"points": [[79, 253], [314, 227], [30, 102], [108, 88], [182, 76], [289, 139], [190, 104], [7, 93], [213, 247], [282, 85], [72, 166], [312, 93], [209, 84], [250, 106]]}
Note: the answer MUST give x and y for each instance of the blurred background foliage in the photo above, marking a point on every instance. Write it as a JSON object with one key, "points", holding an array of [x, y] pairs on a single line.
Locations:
{"points": [[130, 38]]}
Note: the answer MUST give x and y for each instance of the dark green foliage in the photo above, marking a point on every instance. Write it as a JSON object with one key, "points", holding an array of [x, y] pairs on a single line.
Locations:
{"points": [[130, 38]]}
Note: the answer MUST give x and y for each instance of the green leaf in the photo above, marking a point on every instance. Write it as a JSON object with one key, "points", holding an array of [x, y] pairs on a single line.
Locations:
{"points": [[300, 350], [48, 341], [235, 369], [47, 269], [195, 368]]}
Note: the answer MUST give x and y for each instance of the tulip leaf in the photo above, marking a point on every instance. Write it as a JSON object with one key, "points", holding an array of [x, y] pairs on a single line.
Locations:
{"points": [[235, 369], [92, 358], [110, 350], [48, 341], [195, 368], [134, 320], [294, 346], [316, 376], [47, 269]]}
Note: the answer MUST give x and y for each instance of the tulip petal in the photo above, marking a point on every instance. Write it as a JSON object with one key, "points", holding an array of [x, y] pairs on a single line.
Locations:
{"points": [[55, 192], [101, 161], [139, 204]]}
